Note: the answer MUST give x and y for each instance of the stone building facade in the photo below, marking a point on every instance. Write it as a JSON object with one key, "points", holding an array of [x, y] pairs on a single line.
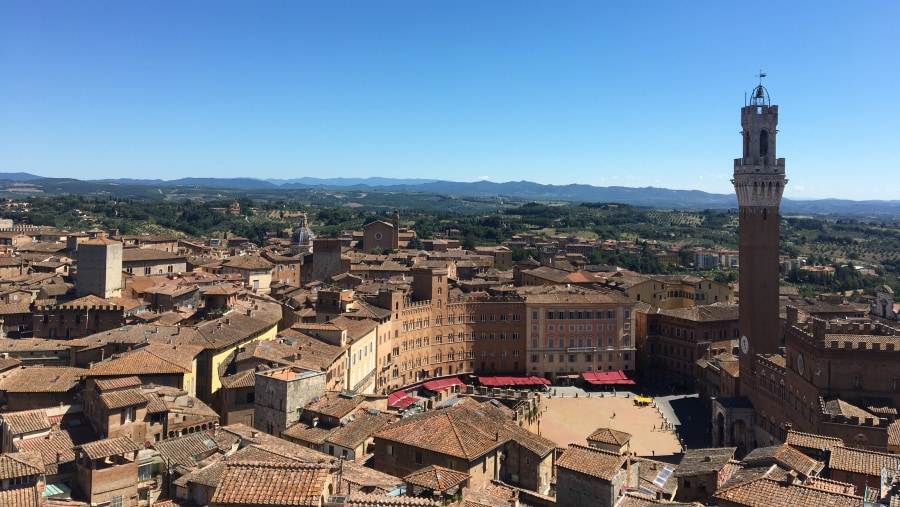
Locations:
{"points": [[281, 394]]}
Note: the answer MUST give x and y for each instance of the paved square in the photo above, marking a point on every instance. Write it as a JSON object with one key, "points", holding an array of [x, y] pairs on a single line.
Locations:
{"points": [[570, 420]]}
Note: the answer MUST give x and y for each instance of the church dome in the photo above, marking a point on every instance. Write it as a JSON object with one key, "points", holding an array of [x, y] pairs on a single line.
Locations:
{"points": [[302, 234]]}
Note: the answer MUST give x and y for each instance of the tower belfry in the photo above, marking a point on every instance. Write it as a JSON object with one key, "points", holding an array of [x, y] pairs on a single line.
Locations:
{"points": [[759, 181]]}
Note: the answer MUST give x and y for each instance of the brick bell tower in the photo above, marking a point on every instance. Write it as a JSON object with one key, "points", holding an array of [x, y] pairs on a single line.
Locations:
{"points": [[759, 183]]}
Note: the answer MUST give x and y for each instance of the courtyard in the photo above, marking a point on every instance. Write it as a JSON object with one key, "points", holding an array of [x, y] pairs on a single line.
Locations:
{"points": [[567, 419]]}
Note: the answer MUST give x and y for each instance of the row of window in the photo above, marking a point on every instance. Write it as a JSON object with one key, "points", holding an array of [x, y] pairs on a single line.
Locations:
{"points": [[581, 341], [573, 358], [458, 319], [581, 327], [439, 358], [148, 270], [581, 314]]}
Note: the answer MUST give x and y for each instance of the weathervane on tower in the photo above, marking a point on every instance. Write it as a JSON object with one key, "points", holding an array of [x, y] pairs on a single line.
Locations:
{"points": [[760, 96]]}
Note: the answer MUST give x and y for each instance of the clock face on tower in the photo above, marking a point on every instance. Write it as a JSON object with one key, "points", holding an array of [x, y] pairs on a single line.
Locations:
{"points": [[745, 344], [801, 364]]}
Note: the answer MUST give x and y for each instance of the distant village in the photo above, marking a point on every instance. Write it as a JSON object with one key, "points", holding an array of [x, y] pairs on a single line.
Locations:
{"points": [[147, 370]]}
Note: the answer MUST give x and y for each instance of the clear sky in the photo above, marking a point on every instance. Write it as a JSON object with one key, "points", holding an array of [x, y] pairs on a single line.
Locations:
{"points": [[632, 93]]}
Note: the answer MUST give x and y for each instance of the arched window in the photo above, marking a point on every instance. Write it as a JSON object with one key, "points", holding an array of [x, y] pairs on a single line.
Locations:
{"points": [[763, 143]]}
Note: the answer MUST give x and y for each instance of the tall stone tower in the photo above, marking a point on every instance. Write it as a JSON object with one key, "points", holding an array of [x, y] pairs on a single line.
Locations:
{"points": [[99, 267], [759, 183]]}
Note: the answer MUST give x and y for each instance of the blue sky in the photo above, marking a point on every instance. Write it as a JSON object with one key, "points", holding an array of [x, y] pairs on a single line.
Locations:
{"points": [[644, 93]]}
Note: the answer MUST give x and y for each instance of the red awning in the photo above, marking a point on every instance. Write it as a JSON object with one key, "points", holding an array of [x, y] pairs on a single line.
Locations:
{"points": [[442, 384], [607, 378], [513, 381], [400, 399]]}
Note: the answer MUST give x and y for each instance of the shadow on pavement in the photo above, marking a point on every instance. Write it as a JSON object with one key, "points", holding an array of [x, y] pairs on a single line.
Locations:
{"points": [[694, 425]]}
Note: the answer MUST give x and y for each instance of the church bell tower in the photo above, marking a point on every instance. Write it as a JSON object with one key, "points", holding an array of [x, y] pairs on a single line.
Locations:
{"points": [[759, 181]]}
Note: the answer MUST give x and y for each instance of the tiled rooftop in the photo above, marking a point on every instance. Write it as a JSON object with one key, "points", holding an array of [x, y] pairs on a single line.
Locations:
{"points": [[254, 484], [41, 379], [638, 500], [123, 398], [438, 479], [107, 384], [27, 421], [183, 450], [20, 464], [609, 436], [465, 430], [811, 441], [373, 500], [334, 404], [109, 447], [862, 462], [55, 449], [591, 461], [356, 432], [702, 461], [768, 492], [20, 497]]}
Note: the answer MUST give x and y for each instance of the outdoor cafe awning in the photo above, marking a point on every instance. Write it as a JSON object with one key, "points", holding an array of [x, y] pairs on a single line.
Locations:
{"points": [[498, 381], [606, 378], [442, 384], [400, 399]]}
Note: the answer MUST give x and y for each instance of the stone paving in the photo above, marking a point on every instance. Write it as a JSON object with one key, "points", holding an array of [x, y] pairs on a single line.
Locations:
{"points": [[568, 419]]}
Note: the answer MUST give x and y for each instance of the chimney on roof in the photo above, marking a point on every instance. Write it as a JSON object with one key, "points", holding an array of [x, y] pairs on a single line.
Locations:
{"points": [[790, 478]]}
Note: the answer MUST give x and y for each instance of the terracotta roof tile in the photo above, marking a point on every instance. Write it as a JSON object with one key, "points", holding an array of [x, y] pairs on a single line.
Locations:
{"points": [[766, 492], [894, 433], [185, 449], [20, 464], [107, 384], [591, 461], [41, 379], [55, 449], [786, 457], [246, 378], [109, 447], [830, 485], [373, 500], [247, 262], [639, 500], [811, 441], [356, 432], [334, 404], [258, 484], [609, 436], [308, 434], [700, 461], [123, 398], [151, 359], [437, 478], [27, 421], [650, 470], [21, 497], [841, 407], [465, 430], [862, 462]]}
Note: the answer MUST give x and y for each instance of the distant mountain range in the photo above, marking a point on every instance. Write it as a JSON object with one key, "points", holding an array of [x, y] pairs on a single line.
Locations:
{"points": [[518, 190]]}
